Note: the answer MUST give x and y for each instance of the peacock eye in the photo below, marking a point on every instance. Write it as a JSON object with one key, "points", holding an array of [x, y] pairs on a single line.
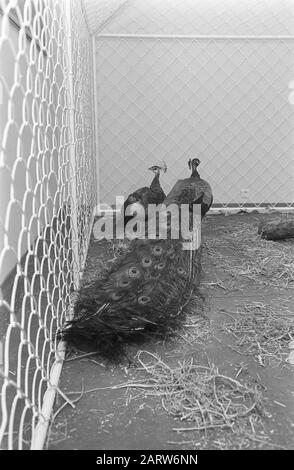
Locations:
{"points": [[144, 299], [146, 262], [160, 266], [157, 250], [181, 271], [124, 283], [116, 296], [134, 272]]}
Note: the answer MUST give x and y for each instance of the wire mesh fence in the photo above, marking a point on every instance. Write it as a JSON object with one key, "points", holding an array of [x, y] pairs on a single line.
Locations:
{"points": [[224, 98], [48, 188]]}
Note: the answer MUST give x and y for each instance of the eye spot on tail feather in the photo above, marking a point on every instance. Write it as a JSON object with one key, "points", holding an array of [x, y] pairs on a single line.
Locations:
{"points": [[124, 283], [116, 296], [181, 272], [146, 262], [144, 299], [160, 266], [134, 272], [157, 250]]}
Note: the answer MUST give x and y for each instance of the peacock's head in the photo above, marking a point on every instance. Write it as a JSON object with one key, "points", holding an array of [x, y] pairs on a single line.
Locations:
{"points": [[193, 163], [158, 168]]}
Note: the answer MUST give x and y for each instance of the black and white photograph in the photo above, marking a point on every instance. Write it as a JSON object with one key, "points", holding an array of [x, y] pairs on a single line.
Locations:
{"points": [[147, 229]]}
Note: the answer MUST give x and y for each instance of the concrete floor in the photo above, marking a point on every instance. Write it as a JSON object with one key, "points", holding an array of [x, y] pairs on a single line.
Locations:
{"points": [[119, 419]]}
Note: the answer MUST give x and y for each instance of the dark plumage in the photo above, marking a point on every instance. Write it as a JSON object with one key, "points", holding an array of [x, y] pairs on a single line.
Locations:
{"points": [[276, 229], [193, 190], [145, 293], [144, 196]]}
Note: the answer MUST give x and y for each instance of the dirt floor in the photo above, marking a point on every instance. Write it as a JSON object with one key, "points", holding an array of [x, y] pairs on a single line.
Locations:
{"points": [[242, 331]]}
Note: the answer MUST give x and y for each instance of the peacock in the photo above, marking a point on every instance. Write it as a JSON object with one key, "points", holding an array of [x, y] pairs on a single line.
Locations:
{"points": [[145, 293], [193, 190], [144, 196]]}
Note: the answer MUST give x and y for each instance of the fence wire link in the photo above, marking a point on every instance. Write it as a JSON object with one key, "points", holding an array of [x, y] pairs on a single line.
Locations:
{"points": [[47, 190]]}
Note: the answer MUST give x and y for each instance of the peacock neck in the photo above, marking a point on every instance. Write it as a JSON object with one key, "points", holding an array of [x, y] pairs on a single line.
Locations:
{"points": [[195, 173], [155, 181]]}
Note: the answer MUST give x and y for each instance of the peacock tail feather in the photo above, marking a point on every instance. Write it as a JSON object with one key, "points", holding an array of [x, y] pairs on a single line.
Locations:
{"points": [[147, 290], [144, 294]]}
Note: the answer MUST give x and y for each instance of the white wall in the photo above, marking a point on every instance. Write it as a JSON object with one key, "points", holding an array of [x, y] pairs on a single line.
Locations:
{"points": [[172, 98], [257, 17], [100, 12]]}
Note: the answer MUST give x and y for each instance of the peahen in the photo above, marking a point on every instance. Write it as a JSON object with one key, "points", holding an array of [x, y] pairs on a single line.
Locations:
{"points": [[145, 293], [144, 196]]}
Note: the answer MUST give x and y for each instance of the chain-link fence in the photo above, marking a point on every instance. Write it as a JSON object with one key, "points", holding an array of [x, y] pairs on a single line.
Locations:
{"points": [[171, 82], [224, 98], [48, 195], [177, 78]]}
